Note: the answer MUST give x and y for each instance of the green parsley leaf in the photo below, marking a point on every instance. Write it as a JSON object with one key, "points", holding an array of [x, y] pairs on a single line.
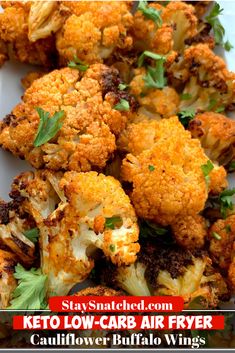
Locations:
{"points": [[32, 234], [228, 46], [226, 202], [113, 222], [150, 229], [211, 104], [151, 168], [216, 236], [30, 294], [112, 247], [122, 86], [150, 12], [151, 55], [185, 96], [78, 64], [231, 166], [206, 169], [185, 116], [155, 75], [228, 228], [220, 109], [123, 105], [215, 23], [48, 126]]}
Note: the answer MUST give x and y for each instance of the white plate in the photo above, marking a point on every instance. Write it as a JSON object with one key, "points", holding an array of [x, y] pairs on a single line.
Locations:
{"points": [[11, 91]]}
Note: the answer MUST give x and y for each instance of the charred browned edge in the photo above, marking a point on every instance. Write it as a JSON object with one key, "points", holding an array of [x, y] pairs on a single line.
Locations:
{"points": [[10, 265], [195, 126], [202, 37], [53, 222], [110, 81], [10, 119], [98, 291], [4, 212], [165, 258], [24, 247]]}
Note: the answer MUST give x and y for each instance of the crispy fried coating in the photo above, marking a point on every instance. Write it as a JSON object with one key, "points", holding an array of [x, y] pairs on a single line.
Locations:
{"points": [[14, 32], [99, 291], [154, 102], [90, 121], [78, 213], [170, 166], [190, 231], [179, 25], [216, 133], [222, 237], [205, 77], [7, 280], [31, 76], [94, 30], [13, 224]]}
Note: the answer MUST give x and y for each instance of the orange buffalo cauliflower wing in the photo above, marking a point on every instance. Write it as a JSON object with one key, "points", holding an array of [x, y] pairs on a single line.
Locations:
{"points": [[205, 79], [154, 103], [216, 133], [165, 161], [76, 214], [176, 25], [190, 231], [94, 30], [89, 124], [222, 241], [7, 280], [16, 32]]}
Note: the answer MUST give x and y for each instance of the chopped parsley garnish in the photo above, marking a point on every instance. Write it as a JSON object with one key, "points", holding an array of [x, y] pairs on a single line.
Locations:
{"points": [[211, 104], [122, 86], [32, 234], [155, 75], [113, 222], [226, 202], [150, 12], [216, 236], [151, 168], [185, 96], [206, 169], [149, 54], [220, 109], [123, 105], [48, 126], [231, 166], [78, 64], [215, 23], [112, 247], [217, 27], [150, 229], [31, 290], [228, 46], [228, 228], [185, 116]]}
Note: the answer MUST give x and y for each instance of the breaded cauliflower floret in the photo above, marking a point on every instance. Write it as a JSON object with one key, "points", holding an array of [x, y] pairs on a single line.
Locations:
{"points": [[7, 280], [170, 166], [14, 31], [190, 231], [86, 139], [222, 238], [14, 222], [179, 24], [205, 77], [170, 270], [154, 102], [216, 133], [94, 31], [98, 291], [31, 76], [77, 214]]}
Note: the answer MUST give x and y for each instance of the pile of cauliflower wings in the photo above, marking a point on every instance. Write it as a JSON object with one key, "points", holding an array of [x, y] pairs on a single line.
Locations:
{"points": [[127, 125]]}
